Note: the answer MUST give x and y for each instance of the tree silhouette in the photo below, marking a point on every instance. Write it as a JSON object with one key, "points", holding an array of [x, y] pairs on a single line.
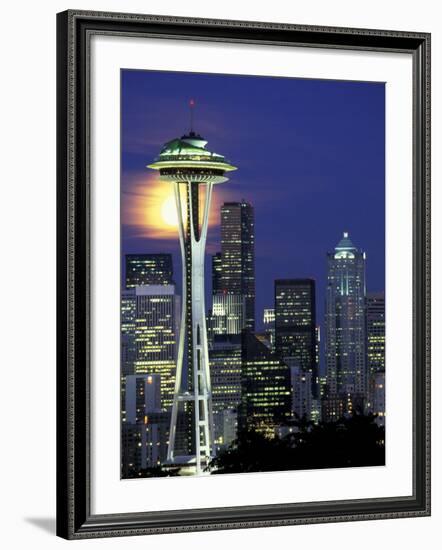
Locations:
{"points": [[154, 471], [349, 442]]}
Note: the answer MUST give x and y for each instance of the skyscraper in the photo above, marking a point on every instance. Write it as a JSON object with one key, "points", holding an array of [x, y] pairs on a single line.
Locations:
{"points": [[295, 325], [144, 444], [190, 167], [345, 339], [238, 255], [143, 396], [269, 325], [301, 393], [375, 322], [128, 314], [375, 311], [148, 303], [217, 271], [225, 373], [266, 394], [145, 427], [227, 315], [156, 335], [377, 398], [148, 269]]}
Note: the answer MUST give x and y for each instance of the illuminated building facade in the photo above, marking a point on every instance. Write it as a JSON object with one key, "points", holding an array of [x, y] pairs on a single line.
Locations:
{"points": [[192, 170], [318, 349], [225, 372], [238, 255], [295, 325], [149, 331], [144, 445], [145, 426], [375, 320], [302, 398], [227, 315], [345, 344], [269, 325], [378, 397], [143, 396], [217, 270], [128, 314], [148, 269], [266, 394], [333, 407], [375, 311], [157, 318]]}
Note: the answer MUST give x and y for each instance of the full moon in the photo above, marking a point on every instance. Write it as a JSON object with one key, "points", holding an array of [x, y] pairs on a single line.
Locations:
{"points": [[168, 212]]}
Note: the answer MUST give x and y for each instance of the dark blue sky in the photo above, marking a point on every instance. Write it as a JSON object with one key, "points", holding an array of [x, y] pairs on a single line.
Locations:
{"points": [[310, 157]]}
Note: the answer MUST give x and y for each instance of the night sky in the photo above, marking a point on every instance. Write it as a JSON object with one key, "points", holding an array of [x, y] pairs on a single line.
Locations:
{"points": [[310, 157]]}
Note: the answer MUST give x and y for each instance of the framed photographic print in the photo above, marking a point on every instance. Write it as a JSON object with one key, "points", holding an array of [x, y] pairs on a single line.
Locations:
{"points": [[243, 274]]}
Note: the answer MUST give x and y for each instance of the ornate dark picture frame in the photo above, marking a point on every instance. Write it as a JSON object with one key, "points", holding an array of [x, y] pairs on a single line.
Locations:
{"points": [[74, 518]]}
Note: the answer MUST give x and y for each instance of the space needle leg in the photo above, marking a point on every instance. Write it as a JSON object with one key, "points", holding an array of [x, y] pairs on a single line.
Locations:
{"points": [[201, 374], [180, 354]]}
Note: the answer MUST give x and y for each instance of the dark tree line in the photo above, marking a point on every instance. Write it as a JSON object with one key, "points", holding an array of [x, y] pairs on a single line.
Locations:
{"points": [[154, 471], [349, 442]]}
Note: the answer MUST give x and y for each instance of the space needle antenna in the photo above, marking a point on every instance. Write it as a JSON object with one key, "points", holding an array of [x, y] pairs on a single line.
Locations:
{"points": [[191, 109]]}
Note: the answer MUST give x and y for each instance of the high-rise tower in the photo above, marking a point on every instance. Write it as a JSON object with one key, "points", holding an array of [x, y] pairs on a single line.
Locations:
{"points": [[266, 392], [269, 325], [375, 305], [192, 170], [217, 270], [156, 333], [225, 368], [238, 255], [375, 319], [295, 325], [345, 345]]}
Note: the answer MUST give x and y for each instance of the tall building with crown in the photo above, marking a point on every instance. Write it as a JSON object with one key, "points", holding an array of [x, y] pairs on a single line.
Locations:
{"points": [[345, 333]]}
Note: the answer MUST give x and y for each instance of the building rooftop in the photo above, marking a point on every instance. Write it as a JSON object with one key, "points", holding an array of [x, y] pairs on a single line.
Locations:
{"points": [[345, 243], [345, 249]]}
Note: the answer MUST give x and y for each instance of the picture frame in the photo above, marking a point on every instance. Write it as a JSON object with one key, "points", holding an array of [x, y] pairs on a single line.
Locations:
{"points": [[75, 519]]}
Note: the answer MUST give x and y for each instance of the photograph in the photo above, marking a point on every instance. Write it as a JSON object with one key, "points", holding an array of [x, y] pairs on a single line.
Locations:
{"points": [[243, 273], [252, 239]]}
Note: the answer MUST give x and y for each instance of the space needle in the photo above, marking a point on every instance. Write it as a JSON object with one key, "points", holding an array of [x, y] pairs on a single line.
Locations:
{"points": [[192, 170]]}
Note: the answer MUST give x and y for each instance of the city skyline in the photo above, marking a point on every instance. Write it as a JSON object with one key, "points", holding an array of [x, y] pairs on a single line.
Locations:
{"points": [[311, 120], [221, 301], [224, 292], [245, 366]]}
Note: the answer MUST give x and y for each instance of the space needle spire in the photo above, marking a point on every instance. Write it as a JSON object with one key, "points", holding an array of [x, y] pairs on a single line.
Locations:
{"points": [[191, 168], [191, 113]]}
